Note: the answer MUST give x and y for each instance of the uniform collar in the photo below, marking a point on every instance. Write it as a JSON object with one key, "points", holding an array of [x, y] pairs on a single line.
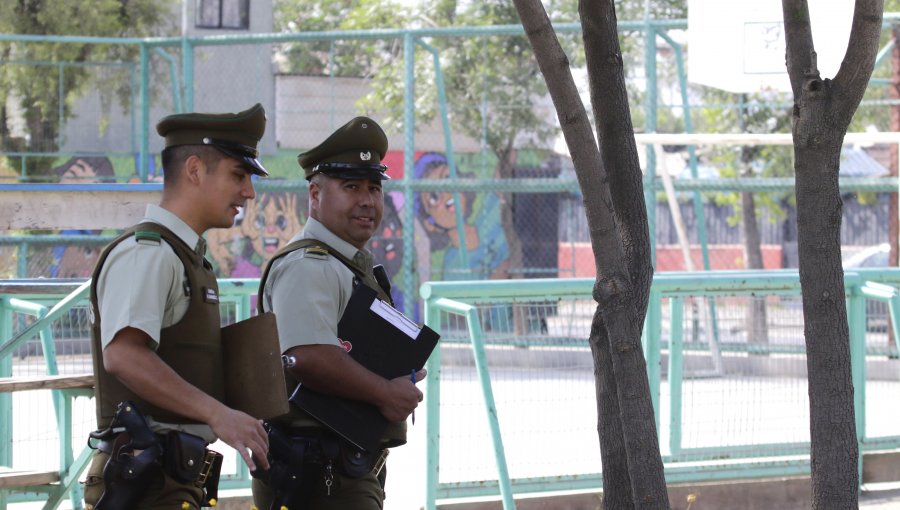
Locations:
{"points": [[172, 222], [315, 229]]}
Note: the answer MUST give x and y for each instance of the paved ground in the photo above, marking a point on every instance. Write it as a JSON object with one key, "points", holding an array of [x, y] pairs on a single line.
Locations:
{"points": [[547, 416], [886, 499]]}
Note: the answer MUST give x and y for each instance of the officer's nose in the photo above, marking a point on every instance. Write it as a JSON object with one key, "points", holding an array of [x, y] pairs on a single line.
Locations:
{"points": [[367, 198], [249, 192]]}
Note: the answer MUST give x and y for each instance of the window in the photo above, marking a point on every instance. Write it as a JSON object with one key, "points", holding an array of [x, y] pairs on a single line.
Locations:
{"points": [[223, 14]]}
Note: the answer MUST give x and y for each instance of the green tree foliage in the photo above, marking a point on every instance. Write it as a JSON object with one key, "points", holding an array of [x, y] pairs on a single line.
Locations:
{"points": [[633, 45], [876, 115], [33, 78], [491, 83], [749, 113], [350, 58]]}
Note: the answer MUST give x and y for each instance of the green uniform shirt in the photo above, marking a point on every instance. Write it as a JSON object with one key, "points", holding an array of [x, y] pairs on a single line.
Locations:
{"points": [[309, 290]]}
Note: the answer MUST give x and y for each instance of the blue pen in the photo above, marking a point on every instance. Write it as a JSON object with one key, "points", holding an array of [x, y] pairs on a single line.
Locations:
{"points": [[412, 377]]}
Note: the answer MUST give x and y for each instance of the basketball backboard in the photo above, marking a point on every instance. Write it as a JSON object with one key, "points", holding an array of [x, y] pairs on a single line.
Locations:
{"points": [[739, 46]]}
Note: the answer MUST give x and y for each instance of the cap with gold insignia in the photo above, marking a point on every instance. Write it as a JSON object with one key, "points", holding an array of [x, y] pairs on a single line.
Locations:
{"points": [[235, 134], [354, 151]]}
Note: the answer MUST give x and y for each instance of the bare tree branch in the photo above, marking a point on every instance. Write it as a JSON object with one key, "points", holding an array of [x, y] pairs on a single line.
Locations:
{"points": [[610, 179], [856, 68], [615, 132], [800, 55]]}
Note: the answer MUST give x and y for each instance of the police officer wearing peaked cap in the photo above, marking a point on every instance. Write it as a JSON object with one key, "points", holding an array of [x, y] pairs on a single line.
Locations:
{"points": [[156, 328], [235, 134], [307, 284]]}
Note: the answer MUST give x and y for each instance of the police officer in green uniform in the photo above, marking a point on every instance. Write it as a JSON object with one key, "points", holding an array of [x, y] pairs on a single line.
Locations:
{"points": [[156, 327], [308, 284]]}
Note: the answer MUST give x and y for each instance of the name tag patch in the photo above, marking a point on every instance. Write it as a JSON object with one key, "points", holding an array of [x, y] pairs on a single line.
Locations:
{"points": [[210, 295]]}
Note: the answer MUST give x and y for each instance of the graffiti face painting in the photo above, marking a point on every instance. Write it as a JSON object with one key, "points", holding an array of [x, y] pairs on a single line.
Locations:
{"points": [[265, 225], [270, 222], [440, 206], [484, 252]]}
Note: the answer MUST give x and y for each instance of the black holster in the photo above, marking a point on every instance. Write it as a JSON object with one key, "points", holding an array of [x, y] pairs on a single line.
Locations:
{"points": [[133, 459]]}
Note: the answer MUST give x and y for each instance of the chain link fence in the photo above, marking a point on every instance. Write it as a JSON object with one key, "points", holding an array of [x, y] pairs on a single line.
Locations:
{"points": [[481, 186]]}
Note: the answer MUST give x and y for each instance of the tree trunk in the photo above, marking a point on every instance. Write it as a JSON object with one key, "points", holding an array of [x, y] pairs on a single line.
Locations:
{"points": [[610, 179], [832, 423], [821, 114], [42, 138], [624, 309], [506, 165], [507, 162], [757, 326]]}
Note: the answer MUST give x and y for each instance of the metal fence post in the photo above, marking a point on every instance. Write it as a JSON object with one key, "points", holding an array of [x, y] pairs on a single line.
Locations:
{"points": [[432, 412], [676, 371], [856, 318]]}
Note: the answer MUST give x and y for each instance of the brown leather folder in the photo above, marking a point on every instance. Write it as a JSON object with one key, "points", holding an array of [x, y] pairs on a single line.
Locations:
{"points": [[254, 374]]}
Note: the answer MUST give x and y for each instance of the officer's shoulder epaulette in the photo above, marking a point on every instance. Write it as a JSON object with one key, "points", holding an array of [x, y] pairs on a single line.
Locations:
{"points": [[148, 237], [316, 252]]}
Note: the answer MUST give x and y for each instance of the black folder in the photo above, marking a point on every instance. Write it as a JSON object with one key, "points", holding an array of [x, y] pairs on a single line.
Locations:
{"points": [[386, 342]]}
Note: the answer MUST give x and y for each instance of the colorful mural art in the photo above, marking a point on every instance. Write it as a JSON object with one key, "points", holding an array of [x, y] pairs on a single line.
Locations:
{"points": [[265, 225], [486, 249], [272, 218], [443, 251], [476, 250]]}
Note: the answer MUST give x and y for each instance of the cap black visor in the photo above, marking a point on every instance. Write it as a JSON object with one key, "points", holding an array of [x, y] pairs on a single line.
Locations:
{"points": [[235, 151], [346, 171]]}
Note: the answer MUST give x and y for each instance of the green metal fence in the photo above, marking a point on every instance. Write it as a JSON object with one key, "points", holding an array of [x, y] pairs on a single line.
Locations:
{"points": [[729, 406], [700, 340], [533, 210], [46, 330]]}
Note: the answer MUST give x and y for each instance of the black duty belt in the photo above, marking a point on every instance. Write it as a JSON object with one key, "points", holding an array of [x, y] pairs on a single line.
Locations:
{"points": [[209, 459], [314, 455]]}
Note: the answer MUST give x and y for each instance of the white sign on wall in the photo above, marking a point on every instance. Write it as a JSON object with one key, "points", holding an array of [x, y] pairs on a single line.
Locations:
{"points": [[739, 45]]}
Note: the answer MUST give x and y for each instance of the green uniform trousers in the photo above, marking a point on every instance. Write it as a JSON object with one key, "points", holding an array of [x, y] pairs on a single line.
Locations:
{"points": [[165, 493], [346, 494]]}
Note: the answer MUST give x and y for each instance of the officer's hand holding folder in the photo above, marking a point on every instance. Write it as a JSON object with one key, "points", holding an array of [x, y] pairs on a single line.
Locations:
{"points": [[384, 341]]}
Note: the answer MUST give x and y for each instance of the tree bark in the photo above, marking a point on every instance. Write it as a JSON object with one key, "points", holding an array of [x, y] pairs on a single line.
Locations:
{"points": [[610, 179], [757, 319], [821, 114]]}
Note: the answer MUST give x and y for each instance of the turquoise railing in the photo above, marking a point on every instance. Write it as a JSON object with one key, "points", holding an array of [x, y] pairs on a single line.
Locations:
{"points": [[683, 464]]}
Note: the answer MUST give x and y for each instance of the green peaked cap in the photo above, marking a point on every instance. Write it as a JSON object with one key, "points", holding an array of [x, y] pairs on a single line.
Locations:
{"points": [[235, 134], [353, 151]]}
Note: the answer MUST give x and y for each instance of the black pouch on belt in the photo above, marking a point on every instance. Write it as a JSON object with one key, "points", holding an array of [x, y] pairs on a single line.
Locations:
{"points": [[184, 456], [355, 463]]}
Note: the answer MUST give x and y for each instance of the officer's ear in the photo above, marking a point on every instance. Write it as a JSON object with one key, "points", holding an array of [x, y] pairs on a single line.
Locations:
{"points": [[194, 167], [315, 192]]}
